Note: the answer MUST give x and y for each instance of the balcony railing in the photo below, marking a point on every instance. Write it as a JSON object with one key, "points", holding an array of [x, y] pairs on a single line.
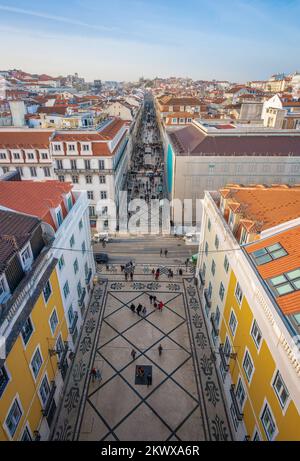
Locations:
{"points": [[74, 323], [82, 296], [88, 277], [207, 297], [47, 408], [237, 410], [223, 358], [214, 324], [75, 171]]}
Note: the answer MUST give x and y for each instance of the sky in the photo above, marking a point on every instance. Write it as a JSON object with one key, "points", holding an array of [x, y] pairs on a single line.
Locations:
{"points": [[236, 40]]}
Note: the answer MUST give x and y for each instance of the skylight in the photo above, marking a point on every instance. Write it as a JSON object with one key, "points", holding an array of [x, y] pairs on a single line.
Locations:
{"points": [[268, 254]]}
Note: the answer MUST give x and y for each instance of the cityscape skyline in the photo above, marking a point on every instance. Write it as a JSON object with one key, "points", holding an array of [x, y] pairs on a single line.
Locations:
{"points": [[120, 44]]}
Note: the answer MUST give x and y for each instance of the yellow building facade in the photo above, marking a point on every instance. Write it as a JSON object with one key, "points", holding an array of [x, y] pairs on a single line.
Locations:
{"points": [[32, 368]]}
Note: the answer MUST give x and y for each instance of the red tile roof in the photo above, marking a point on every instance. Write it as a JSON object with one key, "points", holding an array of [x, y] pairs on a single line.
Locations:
{"points": [[26, 139], [34, 197]]}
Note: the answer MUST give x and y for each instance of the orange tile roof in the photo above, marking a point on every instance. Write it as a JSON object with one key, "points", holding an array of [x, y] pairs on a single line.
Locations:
{"points": [[290, 240], [269, 206], [106, 134], [26, 139], [34, 197]]}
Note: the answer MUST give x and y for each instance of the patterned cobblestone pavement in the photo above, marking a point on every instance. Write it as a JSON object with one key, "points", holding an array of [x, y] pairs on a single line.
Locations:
{"points": [[184, 401]]}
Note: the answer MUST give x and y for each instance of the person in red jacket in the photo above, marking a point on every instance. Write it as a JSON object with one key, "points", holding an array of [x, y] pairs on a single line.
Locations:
{"points": [[160, 305]]}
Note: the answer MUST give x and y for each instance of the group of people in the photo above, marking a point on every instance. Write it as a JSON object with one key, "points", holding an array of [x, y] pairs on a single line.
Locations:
{"points": [[156, 304], [128, 269], [139, 310], [163, 252]]}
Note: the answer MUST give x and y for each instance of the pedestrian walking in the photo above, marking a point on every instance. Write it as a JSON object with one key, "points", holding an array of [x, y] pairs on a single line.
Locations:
{"points": [[166, 253], [160, 305], [161, 252], [93, 374], [160, 349], [149, 380], [151, 299], [180, 272], [126, 276], [133, 354], [139, 308], [144, 311], [132, 307], [154, 298], [131, 276], [98, 375]]}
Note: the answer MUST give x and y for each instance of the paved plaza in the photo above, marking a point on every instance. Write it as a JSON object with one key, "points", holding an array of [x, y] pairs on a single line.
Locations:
{"points": [[184, 400]]}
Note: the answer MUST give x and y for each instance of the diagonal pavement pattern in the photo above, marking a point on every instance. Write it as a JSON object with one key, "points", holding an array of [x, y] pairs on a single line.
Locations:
{"points": [[184, 401]]}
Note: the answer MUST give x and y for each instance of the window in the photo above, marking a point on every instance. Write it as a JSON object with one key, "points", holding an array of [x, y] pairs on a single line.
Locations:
{"points": [[44, 156], [256, 334], [206, 248], [47, 173], [213, 267], [47, 291], [92, 211], [66, 289], [59, 346], [33, 172], [59, 217], [27, 330], [248, 366], [217, 242], [221, 291], [26, 257], [75, 266], [70, 202], [227, 349], [226, 264], [79, 289], [90, 195], [71, 147], [280, 389], [57, 147], [83, 247], [86, 269], [101, 165], [240, 394], [3, 290], [53, 321], [238, 293], [75, 179], [61, 178], [44, 390], [70, 315], [102, 179], [80, 224], [72, 241], [103, 195], [30, 156], [88, 179], [36, 362], [5, 169], [286, 283], [26, 437], [4, 380], [268, 423], [2, 156], [87, 164], [256, 437], [267, 254], [17, 156], [13, 418], [217, 316], [20, 170], [59, 164], [85, 147], [209, 225], [61, 262], [232, 323]]}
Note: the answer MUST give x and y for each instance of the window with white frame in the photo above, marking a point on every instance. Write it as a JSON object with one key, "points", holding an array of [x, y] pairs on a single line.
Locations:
{"points": [[248, 366], [26, 437], [213, 267], [57, 147], [221, 291], [71, 314], [71, 147], [47, 290], [280, 389], [238, 293], [3, 289], [232, 323], [27, 330], [101, 164], [268, 423], [80, 225], [240, 394], [256, 334], [33, 171], [26, 257], [66, 289], [13, 418], [226, 264], [61, 262], [103, 195], [53, 321], [102, 179], [36, 362], [4, 379], [206, 248], [89, 179], [44, 390], [72, 241], [286, 283], [59, 217], [217, 242]]}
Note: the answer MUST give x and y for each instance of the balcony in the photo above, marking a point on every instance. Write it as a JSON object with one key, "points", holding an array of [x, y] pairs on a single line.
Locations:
{"points": [[207, 297], [237, 410], [82, 296], [74, 323], [48, 405], [214, 324], [88, 277], [77, 171], [223, 358]]}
